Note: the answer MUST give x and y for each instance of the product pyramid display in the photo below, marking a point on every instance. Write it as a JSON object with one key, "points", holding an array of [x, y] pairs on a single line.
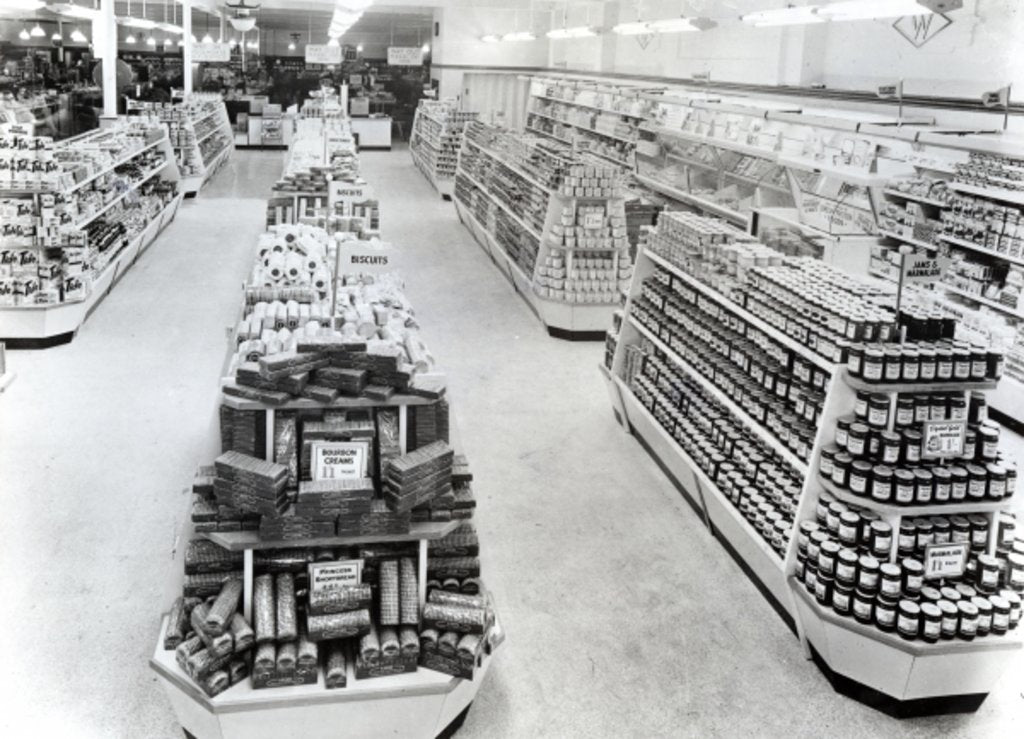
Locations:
{"points": [[338, 517], [435, 141]]}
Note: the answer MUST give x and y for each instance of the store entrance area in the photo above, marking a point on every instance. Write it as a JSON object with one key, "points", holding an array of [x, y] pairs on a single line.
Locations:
{"points": [[625, 616]]}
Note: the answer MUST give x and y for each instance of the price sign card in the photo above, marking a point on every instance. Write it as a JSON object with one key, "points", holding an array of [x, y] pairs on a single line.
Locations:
{"points": [[324, 576], [922, 269], [945, 560], [943, 439], [340, 460]]}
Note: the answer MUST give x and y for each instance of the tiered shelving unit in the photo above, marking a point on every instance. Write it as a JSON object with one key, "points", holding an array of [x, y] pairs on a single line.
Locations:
{"points": [[517, 218], [435, 140], [899, 676], [602, 118], [47, 324]]}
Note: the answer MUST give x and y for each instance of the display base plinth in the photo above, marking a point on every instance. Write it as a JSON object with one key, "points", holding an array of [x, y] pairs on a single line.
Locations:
{"points": [[567, 321], [263, 147], [898, 677], [421, 705]]}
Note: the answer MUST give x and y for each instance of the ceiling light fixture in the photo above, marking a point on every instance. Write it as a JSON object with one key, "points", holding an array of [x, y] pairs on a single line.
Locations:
{"points": [[130, 39], [789, 16], [150, 40], [490, 39], [21, 4], [519, 36], [56, 36], [73, 11], [37, 31], [862, 10], [635, 28], [24, 35], [574, 32], [78, 37], [359, 49]]}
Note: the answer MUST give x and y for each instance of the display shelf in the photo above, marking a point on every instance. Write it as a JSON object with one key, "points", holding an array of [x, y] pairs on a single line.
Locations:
{"points": [[970, 245], [588, 129], [916, 198], [918, 648], [847, 174], [1015, 197], [740, 148], [609, 111], [135, 185], [296, 404], [239, 541], [759, 561], [708, 206], [434, 142], [508, 210], [508, 164], [764, 434], [776, 335], [1013, 312], [910, 511], [82, 183], [908, 240], [916, 387]]}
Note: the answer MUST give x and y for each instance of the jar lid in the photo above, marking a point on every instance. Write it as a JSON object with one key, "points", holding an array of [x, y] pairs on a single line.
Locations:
{"points": [[965, 590], [922, 525], [830, 546], [879, 399], [931, 611], [849, 517], [862, 467], [987, 560], [881, 527], [941, 473], [912, 566], [848, 555], [981, 603], [930, 594], [950, 593], [967, 608], [947, 607], [978, 520], [858, 428], [909, 607], [888, 569], [1011, 597], [890, 437], [867, 562], [999, 603], [904, 475], [922, 475]]}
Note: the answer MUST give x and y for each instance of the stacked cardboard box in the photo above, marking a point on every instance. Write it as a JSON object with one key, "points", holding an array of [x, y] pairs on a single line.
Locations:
{"points": [[418, 477]]}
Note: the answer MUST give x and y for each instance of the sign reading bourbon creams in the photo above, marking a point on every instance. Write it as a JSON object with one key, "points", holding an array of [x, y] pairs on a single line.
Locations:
{"points": [[333, 460]]}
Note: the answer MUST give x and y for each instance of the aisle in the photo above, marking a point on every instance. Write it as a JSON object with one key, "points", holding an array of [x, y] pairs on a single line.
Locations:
{"points": [[624, 617], [98, 439]]}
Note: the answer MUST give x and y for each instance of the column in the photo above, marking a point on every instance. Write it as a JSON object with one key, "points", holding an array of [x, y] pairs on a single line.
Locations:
{"points": [[186, 59]]}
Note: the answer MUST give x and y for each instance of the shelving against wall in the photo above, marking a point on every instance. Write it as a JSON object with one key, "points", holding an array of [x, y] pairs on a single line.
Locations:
{"points": [[200, 132], [776, 393], [603, 119], [76, 215], [435, 140], [553, 220]]}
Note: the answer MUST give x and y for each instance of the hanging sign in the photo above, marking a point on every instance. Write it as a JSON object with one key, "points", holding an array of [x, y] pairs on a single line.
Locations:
{"points": [[920, 29], [405, 56], [323, 54], [923, 269], [943, 439], [212, 52], [327, 576], [945, 560], [340, 460]]}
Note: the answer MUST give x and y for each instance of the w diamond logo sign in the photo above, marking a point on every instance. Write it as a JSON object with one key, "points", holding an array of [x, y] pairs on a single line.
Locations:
{"points": [[644, 40], [920, 29]]}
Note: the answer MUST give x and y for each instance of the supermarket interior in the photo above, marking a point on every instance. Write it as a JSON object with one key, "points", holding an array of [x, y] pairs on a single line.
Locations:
{"points": [[322, 319]]}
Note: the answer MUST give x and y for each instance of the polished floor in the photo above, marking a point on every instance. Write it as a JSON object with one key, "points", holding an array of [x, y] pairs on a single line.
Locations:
{"points": [[624, 617]]}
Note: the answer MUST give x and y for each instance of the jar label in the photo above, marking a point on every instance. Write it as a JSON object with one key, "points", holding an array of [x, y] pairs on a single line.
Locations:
{"points": [[989, 577], [979, 368], [944, 369], [868, 579], [932, 628], [904, 493], [873, 371], [840, 600], [962, 370], [883, 543], [958, 490], [984, 622], [908, 541], [989, 449], [825, 466], [977, 488], [914, 582], [862, 608], [1016, 576], [858, 483], [892, 371], [878, 416], [885, 616], [845, 571], [904, 416], [927, 371], [968, 626], [856, 446], [881, 490], [907, 624], [853, 364], [1000, 620], [941, 491], [911, 371], [890, 587], [841, 438]]}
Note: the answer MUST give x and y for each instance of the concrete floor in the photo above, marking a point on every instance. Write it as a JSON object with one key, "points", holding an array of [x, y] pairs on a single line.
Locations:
{"points": [[624, 617]]}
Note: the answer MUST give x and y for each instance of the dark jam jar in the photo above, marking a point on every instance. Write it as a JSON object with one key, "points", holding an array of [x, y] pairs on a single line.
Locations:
{"points": [[842, 599], [996, 481], [907, 542], [904, 412], [950, 618], [968, 627], [961, 364], [913, 576], [828, 455], [944, 363], [823, 589], [912, 446], [996, 363], [941, 529], [958, 485], [893, 359], [843, 430], [849, 528], [878, 411], [881, 539], [984, 614], [857, 440], [1000, 614], [903, 493], [977, 482], [943, 480], [987, 578], [890, 582], [860, 477], [987, 445], [911, 365], [867, 573], [860, 405], [924, 486], [855, 359], [863, 606], [931, 622], [841, 469], [927, 357], [979, 363], [885, 613], [846, 567], [881, 484], [873, 364], [908, 620]]}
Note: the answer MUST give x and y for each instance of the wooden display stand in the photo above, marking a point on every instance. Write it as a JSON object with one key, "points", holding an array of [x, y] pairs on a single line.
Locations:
{"points": [[900, 677], [45, 325]]}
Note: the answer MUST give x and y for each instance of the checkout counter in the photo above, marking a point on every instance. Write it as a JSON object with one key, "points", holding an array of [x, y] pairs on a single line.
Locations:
{"points": [[372, 128]]}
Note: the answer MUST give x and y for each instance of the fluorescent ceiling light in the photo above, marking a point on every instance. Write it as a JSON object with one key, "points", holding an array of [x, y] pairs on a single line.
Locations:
{"points": [[791, 16], [21, 4], [635, 28], [144, 23], [37, 31], [73, 11], [426, 48], [676, 25], [171, 28], [519, 36], [574, 32], [858, 10], [490, 39]]}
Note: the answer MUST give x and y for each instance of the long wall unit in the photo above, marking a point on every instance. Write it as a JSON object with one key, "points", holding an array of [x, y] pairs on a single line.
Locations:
{"points": [[75, 218], [753, 378], [435, 140], [552, 219]]}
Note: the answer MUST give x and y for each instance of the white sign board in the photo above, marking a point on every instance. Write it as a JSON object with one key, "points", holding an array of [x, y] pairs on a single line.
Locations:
{"points": [[923, 269], [366, 257], [945, 560], [340, 460], [323, 54], [325, 576], [943, 439], [405, 56], [211, 52]]}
